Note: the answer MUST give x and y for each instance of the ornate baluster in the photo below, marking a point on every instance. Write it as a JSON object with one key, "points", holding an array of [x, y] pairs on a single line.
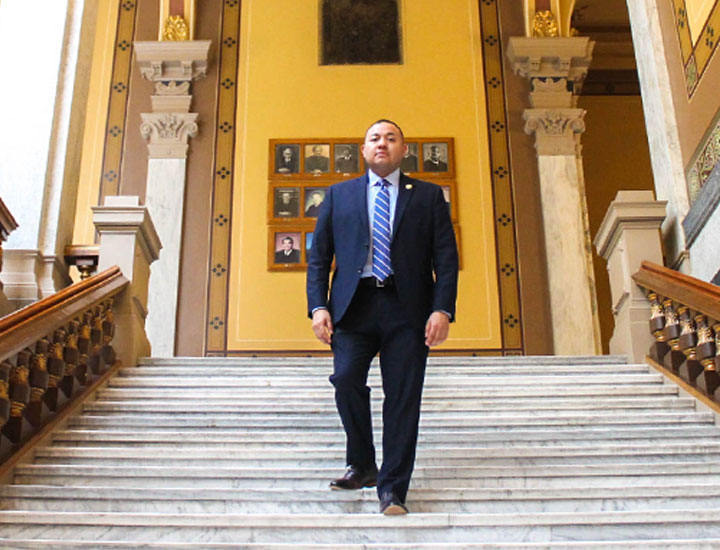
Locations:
{"points": [[37, 411], [671, 331], [687, 341], [17, 426], [74, 372], [5, 370], [84, 345], [56, 369], [94, 359], [108, 332], [705, 351], [657, 325]]}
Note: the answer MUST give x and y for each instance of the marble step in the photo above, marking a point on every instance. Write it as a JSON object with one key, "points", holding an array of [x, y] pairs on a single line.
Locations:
{"points": [[513, 436], [203, 380], [655, 544], [571, 478], [177, 501], [155, 417], [324, 528], [262, 362], [431, 372]]}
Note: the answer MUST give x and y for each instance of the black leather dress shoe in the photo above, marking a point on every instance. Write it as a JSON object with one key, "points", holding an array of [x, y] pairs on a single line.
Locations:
{"points": [[355, 478], [391, 505]]}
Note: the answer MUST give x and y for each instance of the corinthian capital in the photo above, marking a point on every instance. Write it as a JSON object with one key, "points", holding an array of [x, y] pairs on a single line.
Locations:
{"points": [[168, 133], [557, 131]]}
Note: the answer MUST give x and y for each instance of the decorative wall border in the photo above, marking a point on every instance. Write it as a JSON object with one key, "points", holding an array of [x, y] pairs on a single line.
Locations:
{"points": [[696, 57], [502, 188], [119, 93], [704, 160], [223, 178]]}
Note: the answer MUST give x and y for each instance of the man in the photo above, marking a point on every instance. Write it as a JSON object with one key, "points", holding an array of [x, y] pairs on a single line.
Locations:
{"points": [[317, 162], [289, 204], [287, 254], [287, 162], [435, 163], [393, 293], [409, 162], [345, 163], [316, 199]]}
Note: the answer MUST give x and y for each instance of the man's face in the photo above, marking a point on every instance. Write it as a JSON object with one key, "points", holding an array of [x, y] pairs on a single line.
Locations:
{"points": [[434, 154], [287, 244], [317, 151], [316, 199], [286, 197], [384, 148], [287, 155]]}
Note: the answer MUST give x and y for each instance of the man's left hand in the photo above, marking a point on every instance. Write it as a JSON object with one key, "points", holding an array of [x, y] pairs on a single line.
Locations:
{"points": [[436, 328]]}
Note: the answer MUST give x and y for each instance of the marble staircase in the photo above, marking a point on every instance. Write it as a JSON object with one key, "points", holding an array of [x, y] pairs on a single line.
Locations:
{"points": [[514, 453]]}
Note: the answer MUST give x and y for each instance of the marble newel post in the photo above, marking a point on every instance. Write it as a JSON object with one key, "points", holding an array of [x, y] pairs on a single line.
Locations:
{"points": [[629, 234], [556, 67], [172, 66]]}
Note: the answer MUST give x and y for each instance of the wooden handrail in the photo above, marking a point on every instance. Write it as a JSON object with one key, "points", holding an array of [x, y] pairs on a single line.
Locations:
{"points": [[21, 328], [693, 293]]}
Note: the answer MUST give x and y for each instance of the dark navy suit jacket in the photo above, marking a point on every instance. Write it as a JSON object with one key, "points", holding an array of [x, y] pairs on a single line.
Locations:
{"points": [[423, 250]]}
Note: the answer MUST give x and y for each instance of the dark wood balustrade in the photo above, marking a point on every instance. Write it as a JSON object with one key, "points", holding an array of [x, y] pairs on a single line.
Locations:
{"points": [[685, 322], [53, 351]]}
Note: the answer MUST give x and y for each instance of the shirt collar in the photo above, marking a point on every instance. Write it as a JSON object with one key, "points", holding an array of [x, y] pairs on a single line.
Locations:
{"points": [[393, 178]]}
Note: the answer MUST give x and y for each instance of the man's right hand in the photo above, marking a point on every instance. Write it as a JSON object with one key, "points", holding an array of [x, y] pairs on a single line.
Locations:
{"points": [[322, 325]]}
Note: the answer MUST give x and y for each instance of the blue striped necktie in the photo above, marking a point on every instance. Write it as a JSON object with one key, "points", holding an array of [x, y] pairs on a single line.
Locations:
{"points": [[381, 268]]}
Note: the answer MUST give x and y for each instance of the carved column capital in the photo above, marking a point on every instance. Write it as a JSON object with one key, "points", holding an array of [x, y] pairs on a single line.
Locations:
{"points": [[168, 133], [557, 57], [557, 131]]}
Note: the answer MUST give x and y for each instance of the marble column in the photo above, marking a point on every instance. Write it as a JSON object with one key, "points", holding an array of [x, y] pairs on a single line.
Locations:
{"points": [[556, 67], [662, 130], [7, 226], [172, 66], [629, 234], [42, 105], [128, 239]]}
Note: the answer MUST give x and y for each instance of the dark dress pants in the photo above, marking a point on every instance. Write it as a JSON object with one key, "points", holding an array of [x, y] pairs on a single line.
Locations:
{"points": [[374, 323]]}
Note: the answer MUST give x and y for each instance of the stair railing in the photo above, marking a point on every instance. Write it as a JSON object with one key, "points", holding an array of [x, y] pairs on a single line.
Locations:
{"points": [[685, 323], [52, 351]]}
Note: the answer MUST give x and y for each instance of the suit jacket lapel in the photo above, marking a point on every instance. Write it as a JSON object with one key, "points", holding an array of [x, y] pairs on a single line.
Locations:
{"points": [[360, 202], [404, 194]]}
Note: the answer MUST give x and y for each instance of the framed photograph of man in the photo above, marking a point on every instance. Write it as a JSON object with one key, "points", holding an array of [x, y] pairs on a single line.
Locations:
{"points": [[435, 157], [346, 157], [314, 197], [409, 162], [317, 158], [286, 202], [287, 158], [285, 249]]}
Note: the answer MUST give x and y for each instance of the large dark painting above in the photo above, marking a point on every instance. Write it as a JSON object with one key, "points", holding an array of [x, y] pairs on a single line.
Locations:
{"points": [[363, 32]]}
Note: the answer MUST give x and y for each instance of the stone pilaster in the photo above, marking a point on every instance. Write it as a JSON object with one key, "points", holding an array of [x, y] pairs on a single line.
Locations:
{"points": [[556, 68], [629, 234], [172, 66], [128, 240]]}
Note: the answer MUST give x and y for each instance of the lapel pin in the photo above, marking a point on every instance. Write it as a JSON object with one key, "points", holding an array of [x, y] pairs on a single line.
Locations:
{"points": [[408, 186]]}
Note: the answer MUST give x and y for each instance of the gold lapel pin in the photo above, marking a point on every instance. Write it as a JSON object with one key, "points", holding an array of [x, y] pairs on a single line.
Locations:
{"points": [[408, 186]]}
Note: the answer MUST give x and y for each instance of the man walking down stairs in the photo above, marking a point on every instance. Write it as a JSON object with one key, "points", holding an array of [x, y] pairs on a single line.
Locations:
{"points": [[524, 452]]}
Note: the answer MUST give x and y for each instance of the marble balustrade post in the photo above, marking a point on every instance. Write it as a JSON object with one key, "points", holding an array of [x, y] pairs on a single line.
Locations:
{"points": [[128, 239], [629, 234], [172, 66], [556, 67]]}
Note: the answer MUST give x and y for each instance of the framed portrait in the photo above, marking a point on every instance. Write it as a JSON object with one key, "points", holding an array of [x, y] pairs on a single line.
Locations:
{"points": [[448, 188], [285, 250], [317, 158], [287, 158], [313, 199], [435, 157], [286, 202], [346, 157], [409, 162]]}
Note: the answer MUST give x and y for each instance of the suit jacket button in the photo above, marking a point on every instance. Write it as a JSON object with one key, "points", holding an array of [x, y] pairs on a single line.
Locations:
{"points": [[359, 270]]}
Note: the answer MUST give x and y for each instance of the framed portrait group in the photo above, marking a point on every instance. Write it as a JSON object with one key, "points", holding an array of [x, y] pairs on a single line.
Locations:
{"points": [[301, 170]]}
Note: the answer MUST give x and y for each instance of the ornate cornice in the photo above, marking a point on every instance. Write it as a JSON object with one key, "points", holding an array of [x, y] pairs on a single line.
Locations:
{"points": [[173, 61], [7, 222], [555, 57]]}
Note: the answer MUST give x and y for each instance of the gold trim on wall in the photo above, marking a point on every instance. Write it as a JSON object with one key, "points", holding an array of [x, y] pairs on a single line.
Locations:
{"points": [[696, 56]]}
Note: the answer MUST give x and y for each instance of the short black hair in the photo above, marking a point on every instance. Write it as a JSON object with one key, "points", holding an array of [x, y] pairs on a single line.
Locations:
{"points": [[287, 238], [387, 120]]}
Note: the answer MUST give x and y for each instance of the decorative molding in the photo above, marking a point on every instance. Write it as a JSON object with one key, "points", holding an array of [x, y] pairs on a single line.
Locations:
{"points": [[8, 224], [168, 133], [562, 57], [545, 24], [705, 204], [704, 161], [173, 61], [557, 131]]}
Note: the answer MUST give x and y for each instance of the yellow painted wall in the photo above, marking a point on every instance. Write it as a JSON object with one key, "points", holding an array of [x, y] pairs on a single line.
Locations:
{"points": [[96, 119], [284, 93]]}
